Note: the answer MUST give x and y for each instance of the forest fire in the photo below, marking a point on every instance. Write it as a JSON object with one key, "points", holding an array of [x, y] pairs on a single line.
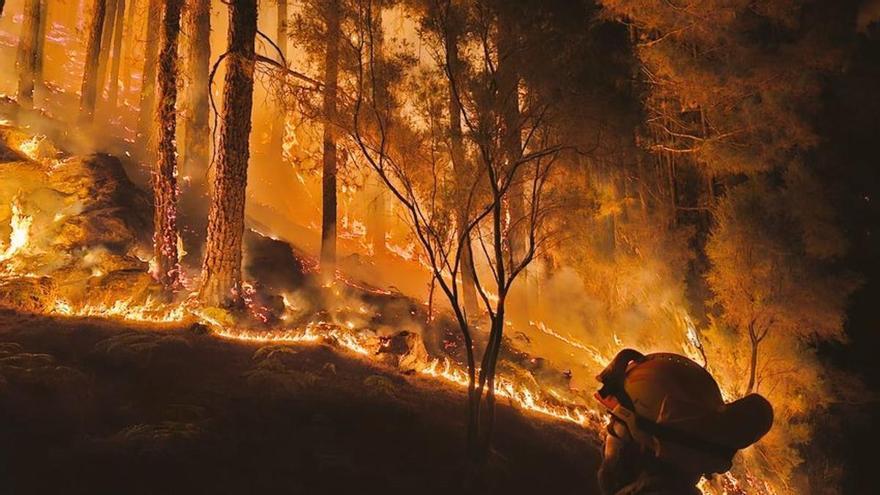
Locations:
{"points": [[490, 201]]}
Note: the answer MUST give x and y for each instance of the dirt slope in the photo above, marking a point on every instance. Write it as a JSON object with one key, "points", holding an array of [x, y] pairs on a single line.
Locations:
{"points": [[93, 407]]}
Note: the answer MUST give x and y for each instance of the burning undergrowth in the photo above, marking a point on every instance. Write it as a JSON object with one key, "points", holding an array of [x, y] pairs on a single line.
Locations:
{"points": [[75, 242], [76, 235]]}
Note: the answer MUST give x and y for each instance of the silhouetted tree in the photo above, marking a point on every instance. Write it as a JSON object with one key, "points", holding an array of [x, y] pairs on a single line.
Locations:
{"points": [[328, 177]]}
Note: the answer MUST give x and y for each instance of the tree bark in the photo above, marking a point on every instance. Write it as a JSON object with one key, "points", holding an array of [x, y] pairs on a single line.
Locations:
{"points": [[459, 165], [90, 73], [328, 180], [39, 80], [197, 123], [221, 271], [128, 46], [106, 40], [113, 92], [27, 53], [279, 124], [165, 170], [148, 83], [508, 95]]}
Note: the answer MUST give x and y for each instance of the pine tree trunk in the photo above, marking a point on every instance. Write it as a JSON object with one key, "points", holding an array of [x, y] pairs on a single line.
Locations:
{"points": [[90, 73], [459, 164], [27, 53], [165, 170], [148, 83], [328, 198], [113, 93], [221, 271], [106, 41], [40, 49], [279, 124], [197, 122], [129, 46]]}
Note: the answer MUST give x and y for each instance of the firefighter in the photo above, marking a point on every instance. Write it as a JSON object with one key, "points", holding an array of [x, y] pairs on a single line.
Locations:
{"points": [[669, 425]]}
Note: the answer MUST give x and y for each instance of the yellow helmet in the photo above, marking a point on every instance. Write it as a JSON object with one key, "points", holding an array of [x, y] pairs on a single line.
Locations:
{"points": [[674, 409]]}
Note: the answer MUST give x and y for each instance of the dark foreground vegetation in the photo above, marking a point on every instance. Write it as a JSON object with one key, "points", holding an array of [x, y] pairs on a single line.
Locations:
{"points": [[96, 407]]}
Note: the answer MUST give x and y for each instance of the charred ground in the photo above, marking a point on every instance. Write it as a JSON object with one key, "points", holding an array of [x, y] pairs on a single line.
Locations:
{"points": [[94, 407]]}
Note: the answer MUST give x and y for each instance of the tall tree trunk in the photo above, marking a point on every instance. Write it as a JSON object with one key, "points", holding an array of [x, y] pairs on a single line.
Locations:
{"points": [[148, 83], [279, 124], [113, 92], [129, 46], [508, 94], [90, 73], [753, 362], [197, 122], [165, 170], [328, 180], [221, 271], [40, 50], [27, 53], [2, 6], [459, 165], [106, 41]]}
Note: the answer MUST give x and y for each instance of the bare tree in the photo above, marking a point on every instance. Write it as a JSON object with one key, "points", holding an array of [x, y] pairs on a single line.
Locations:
{"points": [[221, 270], [489, 190], [90, 73], [167, 269]]}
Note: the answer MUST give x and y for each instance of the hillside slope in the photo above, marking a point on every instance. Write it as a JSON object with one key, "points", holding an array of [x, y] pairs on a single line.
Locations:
{"points": [[94, 407]]}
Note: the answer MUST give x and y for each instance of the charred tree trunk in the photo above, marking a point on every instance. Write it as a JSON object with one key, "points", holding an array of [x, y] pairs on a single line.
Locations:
{"points": [[113, 92], [165, 170], [2, 6], [39, 80], [459, 164], [106, 41], [328, 180], [279, 124], [27, 53], [197, 126], [221, 271], [90, 74], [128, 46], [148, 83]]}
